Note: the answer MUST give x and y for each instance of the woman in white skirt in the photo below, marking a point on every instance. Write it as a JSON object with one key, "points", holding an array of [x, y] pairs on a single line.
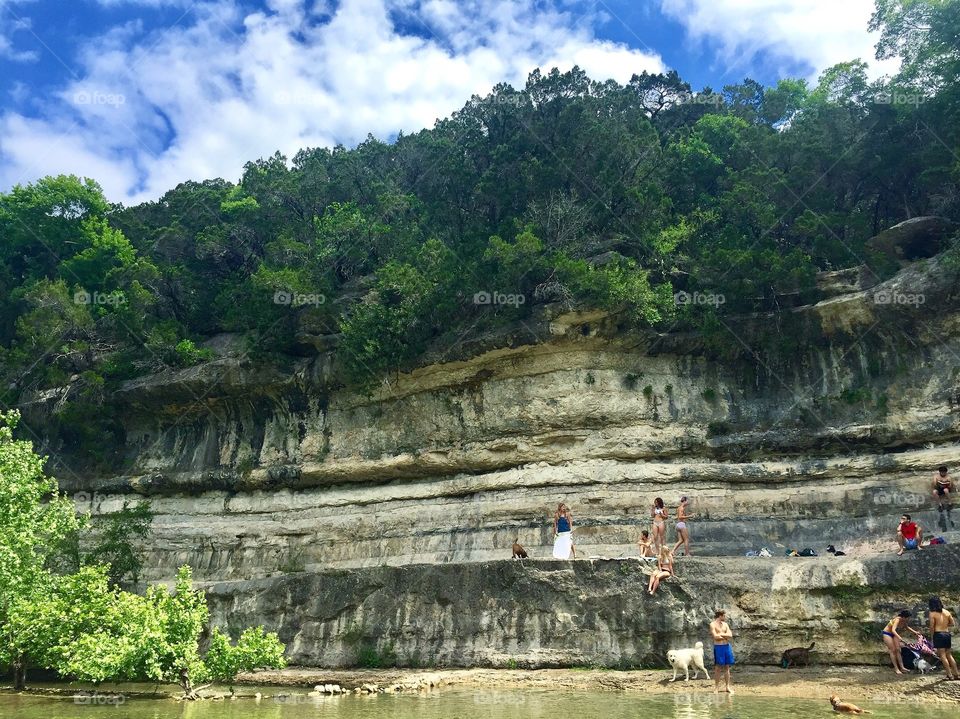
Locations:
{"points": [[563, 533]]}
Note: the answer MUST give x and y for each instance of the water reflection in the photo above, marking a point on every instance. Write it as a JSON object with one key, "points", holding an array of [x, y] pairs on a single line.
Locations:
{"points": [[459, 704], [693, 705]]}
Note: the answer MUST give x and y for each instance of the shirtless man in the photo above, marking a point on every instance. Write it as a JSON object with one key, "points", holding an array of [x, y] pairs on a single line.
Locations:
{"points": [[943, 491], [941, 622], [722, 653]]}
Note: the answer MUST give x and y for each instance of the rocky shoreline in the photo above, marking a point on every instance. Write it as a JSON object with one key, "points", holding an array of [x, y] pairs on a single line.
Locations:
{"points": [[855, 683]]}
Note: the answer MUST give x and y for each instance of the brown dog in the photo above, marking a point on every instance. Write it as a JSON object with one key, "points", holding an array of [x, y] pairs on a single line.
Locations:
{"points": [[518, 551], [846, 707]]}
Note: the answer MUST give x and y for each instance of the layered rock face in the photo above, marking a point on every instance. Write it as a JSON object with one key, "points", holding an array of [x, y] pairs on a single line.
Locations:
{"points": [[266, 480], [540, 613]]}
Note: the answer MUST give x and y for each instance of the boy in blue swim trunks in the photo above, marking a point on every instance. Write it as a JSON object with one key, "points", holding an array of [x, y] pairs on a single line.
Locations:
{"points": [[722, 652]]}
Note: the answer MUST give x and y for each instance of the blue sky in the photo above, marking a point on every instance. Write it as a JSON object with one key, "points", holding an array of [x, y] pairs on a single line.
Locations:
{"points": [[143, 94]]}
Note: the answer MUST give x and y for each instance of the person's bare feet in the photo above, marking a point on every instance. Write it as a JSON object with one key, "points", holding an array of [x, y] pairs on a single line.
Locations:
{"points": [[729, 690], [900, 553]]}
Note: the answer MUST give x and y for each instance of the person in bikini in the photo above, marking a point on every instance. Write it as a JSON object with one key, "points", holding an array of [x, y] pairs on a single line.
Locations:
{"points": [[683, 533], [659, 514], [892, 639], [664, 570], [722, 652], [943, 491], [909, 534], [941, 622]]}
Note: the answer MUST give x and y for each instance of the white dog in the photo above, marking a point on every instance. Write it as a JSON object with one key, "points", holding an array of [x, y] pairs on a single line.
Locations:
{"points": [[923, 666], [683, 658]]}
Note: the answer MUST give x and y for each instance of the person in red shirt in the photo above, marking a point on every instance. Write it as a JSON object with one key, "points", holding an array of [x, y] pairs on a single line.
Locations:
{"points": [[909, 534]]}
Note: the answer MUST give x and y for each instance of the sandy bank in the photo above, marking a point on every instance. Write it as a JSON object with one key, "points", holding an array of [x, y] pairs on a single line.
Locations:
{"points": [[854, 683]]}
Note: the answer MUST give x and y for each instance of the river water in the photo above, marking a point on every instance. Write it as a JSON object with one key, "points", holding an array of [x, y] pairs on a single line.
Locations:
{"points": [[455, 704]]}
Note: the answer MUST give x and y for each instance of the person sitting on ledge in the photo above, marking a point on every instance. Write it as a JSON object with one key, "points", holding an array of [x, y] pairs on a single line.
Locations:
{"points": [[663, 571], [645, 544], [943, 490], [909, 534]]}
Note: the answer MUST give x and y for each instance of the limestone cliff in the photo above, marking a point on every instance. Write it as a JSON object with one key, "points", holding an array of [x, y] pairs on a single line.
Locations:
{"points": [[278, 485]]}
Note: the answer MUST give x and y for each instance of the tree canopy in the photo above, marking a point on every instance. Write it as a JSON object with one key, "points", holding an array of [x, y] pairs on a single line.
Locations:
{"points": [[565, 190]]}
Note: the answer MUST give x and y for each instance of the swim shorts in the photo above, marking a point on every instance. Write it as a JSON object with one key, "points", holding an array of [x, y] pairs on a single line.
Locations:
{"points": [[941, 640], [909, 543], [722, 654]]}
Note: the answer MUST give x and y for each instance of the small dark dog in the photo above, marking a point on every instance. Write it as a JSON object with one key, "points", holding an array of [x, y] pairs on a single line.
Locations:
{"points": [[518, 551], [796, 656], [835, 552]]}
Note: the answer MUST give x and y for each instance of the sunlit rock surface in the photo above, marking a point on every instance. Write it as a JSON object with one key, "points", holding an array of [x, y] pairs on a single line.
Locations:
{"points": [[277, 485]]}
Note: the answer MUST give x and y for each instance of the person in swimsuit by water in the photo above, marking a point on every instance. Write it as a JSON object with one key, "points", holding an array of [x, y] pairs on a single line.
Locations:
{"points": [[943, 491], [892, 639], [722, 651], [664, 569], [659, 514], [683, 533], [941, 622], [563, 533]]}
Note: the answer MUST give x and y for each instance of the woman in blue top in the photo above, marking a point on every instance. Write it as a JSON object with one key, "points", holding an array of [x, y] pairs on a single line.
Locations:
{"points": [[563, 533]]}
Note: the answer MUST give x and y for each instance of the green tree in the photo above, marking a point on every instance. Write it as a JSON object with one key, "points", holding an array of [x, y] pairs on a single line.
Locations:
{"points": [[34, 519]]}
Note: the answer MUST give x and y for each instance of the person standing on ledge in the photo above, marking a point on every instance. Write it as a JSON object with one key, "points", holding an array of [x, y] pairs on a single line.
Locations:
{"points": [[941, 622], [722, 651], [909, 534], [943, 491], [683, 533], [659, 514], [563, 533]]}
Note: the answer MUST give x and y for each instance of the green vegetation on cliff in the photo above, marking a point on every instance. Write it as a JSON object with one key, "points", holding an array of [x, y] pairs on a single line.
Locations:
{"points": [[567, 190]]}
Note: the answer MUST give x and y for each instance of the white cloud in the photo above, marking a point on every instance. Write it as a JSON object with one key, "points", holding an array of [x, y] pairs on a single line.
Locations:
{"points": [[814, 33], [197, 101], [11, 22]]}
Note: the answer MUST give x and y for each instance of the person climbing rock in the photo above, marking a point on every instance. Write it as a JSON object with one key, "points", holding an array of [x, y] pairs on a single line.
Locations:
{"points": [[943, 491]]}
